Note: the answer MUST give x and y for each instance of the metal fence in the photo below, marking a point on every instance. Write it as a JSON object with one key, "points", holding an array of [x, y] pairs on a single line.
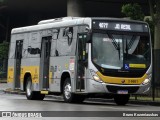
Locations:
{"points": [[152, 95]]}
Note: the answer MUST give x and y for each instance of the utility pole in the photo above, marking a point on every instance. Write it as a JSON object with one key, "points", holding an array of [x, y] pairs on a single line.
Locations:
{"points": [[75, 8]]}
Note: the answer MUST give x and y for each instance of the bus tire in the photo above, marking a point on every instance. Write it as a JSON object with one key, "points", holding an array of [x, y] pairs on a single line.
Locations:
{"points": [[68, 96], [39, 96], [30, 94], [121, 99]]}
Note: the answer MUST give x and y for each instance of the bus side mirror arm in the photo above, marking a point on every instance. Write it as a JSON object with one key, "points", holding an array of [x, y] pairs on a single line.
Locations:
{"points": [[88, 39], [85, 62], [83, 58]]}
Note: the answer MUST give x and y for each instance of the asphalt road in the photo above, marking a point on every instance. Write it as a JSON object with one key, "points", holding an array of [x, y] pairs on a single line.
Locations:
{"points": [[13, 102]]}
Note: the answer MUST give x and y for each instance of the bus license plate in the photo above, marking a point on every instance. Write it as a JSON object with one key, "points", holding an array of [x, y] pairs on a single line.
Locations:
{"points": [[122, 92]]}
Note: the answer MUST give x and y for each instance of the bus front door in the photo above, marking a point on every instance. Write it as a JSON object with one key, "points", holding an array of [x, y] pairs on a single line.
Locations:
{"points": [[44, 62], [18, 57], [81, 67]]}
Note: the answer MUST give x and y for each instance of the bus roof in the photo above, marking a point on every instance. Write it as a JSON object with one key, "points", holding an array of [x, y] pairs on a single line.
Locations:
{"points": [[47, 24], [65, 22]]}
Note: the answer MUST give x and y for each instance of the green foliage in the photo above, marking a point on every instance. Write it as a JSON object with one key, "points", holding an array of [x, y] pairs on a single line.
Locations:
{"points": [[151, 25], [133, 11], [4, 47], [1, 1]]}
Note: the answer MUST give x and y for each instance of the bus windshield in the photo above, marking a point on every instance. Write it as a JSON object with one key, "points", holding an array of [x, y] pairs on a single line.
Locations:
{"points": [[120, 51]]}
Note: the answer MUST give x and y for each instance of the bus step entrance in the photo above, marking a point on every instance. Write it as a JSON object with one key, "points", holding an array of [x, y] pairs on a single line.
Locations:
{"points": [[80, 84], [45, 92]]}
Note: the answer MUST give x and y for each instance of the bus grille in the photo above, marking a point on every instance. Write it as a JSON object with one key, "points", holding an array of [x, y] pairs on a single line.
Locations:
{"points": [[124, 74], [114, 89]]}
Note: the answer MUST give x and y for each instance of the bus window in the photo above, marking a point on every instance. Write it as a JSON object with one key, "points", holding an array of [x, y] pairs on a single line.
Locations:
{"points": [[64, 42]]}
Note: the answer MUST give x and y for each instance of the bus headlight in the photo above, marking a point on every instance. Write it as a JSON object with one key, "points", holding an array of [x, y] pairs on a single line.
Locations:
{"points": [[95, 76], [147, 80]]}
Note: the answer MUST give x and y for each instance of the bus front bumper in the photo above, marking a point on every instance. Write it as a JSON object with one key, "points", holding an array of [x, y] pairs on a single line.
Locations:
{"points": [[101, 87]]}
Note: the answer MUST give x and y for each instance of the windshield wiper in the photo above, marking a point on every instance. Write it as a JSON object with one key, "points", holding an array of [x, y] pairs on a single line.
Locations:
{"points": [[131, 42], [126, 55], [129, 45], [115, 44]]}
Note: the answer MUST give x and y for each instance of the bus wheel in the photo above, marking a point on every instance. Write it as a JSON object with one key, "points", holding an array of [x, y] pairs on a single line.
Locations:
{"points": [[67, 95], [121, 99], [30, 94], [70, 97]]}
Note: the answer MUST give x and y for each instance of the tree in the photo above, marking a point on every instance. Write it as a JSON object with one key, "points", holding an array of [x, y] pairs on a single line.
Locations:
{"points": [[4, 50], [155, 14], [133, 11], [4, 47], [154, 6], [3, 25]]}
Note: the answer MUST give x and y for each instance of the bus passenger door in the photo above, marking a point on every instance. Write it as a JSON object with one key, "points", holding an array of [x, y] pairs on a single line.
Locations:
{"points": [[81, 63], [18, 57], [44, 64]]}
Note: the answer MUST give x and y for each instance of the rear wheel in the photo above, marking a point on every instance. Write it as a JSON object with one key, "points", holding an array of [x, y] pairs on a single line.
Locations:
{"points": [[30, 94], [68, 96], [121, 99]]}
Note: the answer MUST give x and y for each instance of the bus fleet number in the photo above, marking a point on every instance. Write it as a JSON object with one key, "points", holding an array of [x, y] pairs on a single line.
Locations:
{"points": [[133, 81]]}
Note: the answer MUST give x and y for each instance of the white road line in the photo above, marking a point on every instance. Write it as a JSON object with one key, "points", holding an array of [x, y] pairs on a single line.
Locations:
{"points": [[125, 109]]}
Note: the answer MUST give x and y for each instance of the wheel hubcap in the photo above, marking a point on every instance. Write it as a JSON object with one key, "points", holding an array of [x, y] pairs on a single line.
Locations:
{"points": [[29, 89], [67, 90]]}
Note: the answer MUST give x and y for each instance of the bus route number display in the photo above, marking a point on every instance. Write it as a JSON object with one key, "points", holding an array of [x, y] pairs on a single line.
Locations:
{"points": [[120, 26]]}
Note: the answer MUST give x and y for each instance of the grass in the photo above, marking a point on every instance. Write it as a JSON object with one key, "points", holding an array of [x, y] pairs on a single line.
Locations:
{"points": [[3, 81], [145, 98]]}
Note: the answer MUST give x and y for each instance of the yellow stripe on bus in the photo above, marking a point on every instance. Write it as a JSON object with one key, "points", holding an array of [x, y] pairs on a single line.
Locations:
{"points": [[121, 80], [33, 70], [10, 74]]}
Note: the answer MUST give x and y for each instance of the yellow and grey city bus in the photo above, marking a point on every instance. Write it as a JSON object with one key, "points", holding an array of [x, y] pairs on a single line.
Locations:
{"points": [[81, 57]]}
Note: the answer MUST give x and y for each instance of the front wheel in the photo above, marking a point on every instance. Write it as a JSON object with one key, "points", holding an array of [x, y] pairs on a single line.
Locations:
{"points": [[121, 99], [68, 96], [30, 94]]}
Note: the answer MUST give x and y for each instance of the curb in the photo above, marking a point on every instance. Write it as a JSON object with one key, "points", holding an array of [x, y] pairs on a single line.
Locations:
{"points": [[10, 91], [3, 81], [138, 102], [20, 92], [152, 103]]}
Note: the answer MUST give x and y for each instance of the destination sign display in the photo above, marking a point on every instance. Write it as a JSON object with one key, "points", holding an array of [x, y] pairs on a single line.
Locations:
{"points": [[120, 26]]}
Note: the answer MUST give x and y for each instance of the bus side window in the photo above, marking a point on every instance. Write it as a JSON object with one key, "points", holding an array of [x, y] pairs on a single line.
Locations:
{"points": [[53, 47], [12, 50], [82, 29], [64, 41], [68, 32], [54, 40], [74, 40]]}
